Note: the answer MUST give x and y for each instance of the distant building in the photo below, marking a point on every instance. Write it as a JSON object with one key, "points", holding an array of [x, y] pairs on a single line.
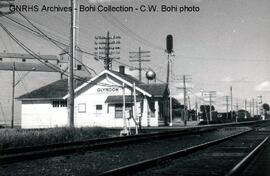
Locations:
{"points": [[98, 102]]}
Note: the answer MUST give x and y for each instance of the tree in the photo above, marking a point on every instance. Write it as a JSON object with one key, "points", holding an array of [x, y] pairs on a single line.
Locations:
{"points": [[205, 111], [266, 108], [175, 103], [206, 108]]}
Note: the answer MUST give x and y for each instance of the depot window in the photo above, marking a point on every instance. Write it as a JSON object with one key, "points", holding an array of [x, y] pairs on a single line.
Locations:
{"points": [[98, 107], [118, 111], [61, 103], [81, 107]]}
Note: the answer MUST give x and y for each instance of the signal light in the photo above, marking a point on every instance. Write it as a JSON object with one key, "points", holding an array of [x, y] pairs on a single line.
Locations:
{"points": [[169, 44]]}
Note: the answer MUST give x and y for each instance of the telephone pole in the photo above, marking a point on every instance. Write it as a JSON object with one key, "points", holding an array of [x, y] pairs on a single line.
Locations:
{"points": [[253, 107], [185, 100], [13, 92], [196, 107], [236, 118], [250, 106], [186, 79], [227, 107], [71, 59], [231, 102], [105, 48], [245, 109], [138, 55], [257, 108], [211, 95]]}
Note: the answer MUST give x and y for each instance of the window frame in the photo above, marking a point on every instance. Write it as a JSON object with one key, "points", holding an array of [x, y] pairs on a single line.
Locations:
{"points": [[120, 106], [84, 107]]}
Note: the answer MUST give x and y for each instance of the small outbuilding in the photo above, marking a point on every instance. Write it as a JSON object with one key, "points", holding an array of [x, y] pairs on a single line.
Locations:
{"points": [[98, 102]]}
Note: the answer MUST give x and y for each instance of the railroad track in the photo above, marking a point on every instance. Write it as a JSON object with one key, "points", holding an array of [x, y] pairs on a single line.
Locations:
{"points": [[214, 153], [36, 152]]}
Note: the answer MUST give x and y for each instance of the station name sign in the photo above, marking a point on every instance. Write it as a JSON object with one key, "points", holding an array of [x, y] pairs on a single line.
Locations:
{"points": [[111, 89]]}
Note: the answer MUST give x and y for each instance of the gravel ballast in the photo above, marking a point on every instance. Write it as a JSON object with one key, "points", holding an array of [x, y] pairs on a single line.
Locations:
{"points": [[95, 162]]}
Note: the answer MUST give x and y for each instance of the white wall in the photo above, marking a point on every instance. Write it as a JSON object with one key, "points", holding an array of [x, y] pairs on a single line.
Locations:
{"points": [[93, 97], [41, 114]]}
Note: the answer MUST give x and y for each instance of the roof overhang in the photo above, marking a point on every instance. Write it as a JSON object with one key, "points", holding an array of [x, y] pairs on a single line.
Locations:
{"points": [[36, 99]]}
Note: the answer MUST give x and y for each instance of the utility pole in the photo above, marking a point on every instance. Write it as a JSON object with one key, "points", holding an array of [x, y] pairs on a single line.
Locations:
{"points": [[186, 79], [245, 108], [236, 118], [210, 106], [71, 58], [231, 102], [257, 108], [227, 107], [105, 49], [211, 95], [138, 55], [189, 107], [13, 92], [250, 106], [135, 108], [196, 107], [185, 102], [253, 107], [125, 130], [260, 104], [3, 4]]}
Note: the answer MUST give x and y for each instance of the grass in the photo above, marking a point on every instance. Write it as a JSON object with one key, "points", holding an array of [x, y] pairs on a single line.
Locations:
{"points": [[10, 138]]}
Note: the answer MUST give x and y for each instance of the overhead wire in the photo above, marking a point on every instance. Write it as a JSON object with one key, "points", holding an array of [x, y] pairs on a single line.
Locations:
{"points": [[127, 31], [55, 43], [39, 58]]}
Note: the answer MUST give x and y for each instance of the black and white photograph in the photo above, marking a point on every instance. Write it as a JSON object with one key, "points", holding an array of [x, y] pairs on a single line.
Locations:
{"points": [[134, 87]]}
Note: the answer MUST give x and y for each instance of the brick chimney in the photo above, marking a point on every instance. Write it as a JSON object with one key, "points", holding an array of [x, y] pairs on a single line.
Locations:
{"points": [[122, 69]]}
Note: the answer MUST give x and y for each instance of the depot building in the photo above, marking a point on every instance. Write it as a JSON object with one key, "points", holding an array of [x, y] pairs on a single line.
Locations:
{"points": [[98, 102]]}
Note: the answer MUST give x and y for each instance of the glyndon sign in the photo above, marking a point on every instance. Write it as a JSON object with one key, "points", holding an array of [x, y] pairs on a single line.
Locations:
{"points": [[107, 89]]}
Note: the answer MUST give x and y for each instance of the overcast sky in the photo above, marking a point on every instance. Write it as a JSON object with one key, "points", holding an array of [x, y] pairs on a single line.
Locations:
{"points": [[225, 44]]}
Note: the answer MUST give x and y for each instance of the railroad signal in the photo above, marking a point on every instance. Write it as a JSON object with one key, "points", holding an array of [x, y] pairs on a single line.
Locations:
{"points": [[169, 44]]}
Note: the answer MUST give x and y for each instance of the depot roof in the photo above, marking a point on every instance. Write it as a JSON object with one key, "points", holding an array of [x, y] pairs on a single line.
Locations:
{"points": [[55, 90], [59, 89]]}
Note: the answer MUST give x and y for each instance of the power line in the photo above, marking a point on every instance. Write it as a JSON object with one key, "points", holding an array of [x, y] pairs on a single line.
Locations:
{"points": [[56, 43], [85, 52], [38, 57], [128, 31]]}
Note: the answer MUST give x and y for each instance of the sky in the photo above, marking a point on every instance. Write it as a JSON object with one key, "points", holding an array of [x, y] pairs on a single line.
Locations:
{"points": [[225, 44]]}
